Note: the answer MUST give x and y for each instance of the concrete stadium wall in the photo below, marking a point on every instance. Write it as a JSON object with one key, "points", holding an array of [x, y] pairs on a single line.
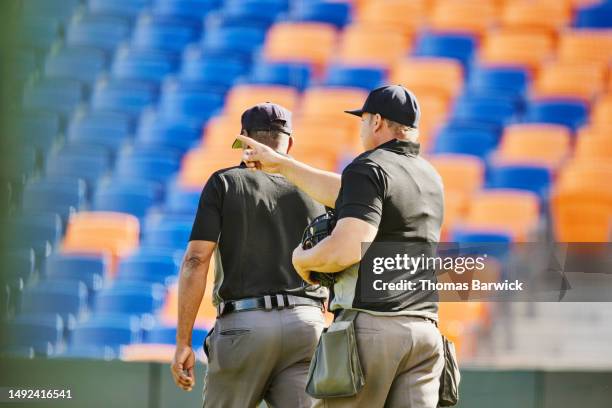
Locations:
{"points": [[149, 385]]}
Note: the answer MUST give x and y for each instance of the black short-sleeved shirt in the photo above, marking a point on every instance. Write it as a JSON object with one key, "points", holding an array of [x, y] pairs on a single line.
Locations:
{"points": [[400, 193], [257, 219]]}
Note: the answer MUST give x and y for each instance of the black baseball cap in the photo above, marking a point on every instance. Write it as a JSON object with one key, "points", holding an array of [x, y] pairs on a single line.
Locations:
{"points": [[393, 102], [264, 116]]}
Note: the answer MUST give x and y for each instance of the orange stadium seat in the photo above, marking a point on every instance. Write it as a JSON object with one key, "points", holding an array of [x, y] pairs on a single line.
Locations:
{"points": [[474, 17], [434, 112], [516, 47], [242, 97], [571, 80], [587, 176], [425, 76], [593, 146], [601, 114], [311, 43], [513, 211], [548, 16], [593, 211], [397, 15], [220, 131], [586, 46], [365, 45], [200, 163], [535, 144], [115, 234]]}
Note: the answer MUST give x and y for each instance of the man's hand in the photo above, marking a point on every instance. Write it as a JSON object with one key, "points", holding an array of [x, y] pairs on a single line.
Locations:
{"points": [[258, 155], [296, 259], [182, 367]]}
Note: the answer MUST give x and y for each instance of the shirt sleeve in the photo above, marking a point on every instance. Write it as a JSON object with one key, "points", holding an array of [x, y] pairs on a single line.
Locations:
{"points": [[208, 219], [362, 193]]}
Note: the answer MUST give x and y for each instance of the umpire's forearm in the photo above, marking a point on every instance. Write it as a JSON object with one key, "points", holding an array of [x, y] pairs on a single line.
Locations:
{"points": [[323, 186], [192, 285]]}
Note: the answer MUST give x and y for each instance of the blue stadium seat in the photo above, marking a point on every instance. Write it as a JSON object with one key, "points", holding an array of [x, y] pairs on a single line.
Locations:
{"points": [[172, 133], [281, 73], [169, 234], [359, 77], [74, 164], [40, 331], [181, 99], [148, 168], [87, 268], [103, 32], [216, 72], [107, 129], [474, 140], [87, 352], [38, 32], [506, 80], [67, 298], [147, 268], [19, 263], [128, 196], [20, 163], [123, 96], [162, 334], [62, 196], [107, 331], [35, 231], [570, 113], [128, 297], [536, 179], [252, 12], [598, 15], [187, 9], [335, 13], [55, 95], [61, 9], [143, 64], [181, 201], [474, 241], [485, 108], [239, 41], [164, 33], [445, 45], [38, 129], [80, 63], [126, 8]]}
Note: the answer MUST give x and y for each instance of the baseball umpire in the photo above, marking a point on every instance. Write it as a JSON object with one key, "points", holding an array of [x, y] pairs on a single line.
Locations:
{"points": [[268, 319], [387, 194]]}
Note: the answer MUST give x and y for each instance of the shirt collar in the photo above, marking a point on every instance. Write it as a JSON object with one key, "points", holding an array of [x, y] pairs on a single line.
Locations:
{"points": [[401, 146]]}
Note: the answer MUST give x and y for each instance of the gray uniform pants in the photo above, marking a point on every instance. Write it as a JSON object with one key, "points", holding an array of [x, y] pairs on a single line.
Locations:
{"points": [[402, 358], [262, 355]]}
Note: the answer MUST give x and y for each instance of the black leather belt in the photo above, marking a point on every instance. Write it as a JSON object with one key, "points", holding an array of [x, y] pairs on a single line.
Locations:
{"points": [[268, 302]]}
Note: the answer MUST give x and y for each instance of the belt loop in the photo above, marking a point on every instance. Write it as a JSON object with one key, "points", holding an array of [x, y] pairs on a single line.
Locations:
{"points": [[290, 301], [268, 302], [280, 301], [220, 308]]}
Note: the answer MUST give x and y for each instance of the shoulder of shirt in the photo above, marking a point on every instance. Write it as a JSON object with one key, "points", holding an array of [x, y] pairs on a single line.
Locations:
{"points": [[366, 159]]}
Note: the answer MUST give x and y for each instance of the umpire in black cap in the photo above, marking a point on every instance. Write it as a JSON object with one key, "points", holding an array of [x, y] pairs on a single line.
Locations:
{"points": [[388, 194], [268, 319]]}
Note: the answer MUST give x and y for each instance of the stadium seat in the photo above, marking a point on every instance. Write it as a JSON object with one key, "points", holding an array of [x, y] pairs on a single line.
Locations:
{"points": [[38, 32], [320, 11], [41, 331], [547, 16], [129, 298], [156, 130], [170, 234], [163, 334], [207, 313], [123, 96], [18, 263], [236, 41], [444, 45], [511, 211], [497, 110], [461, 173], [55, 95], [363, 45], [532, 178], [89, 269], [280, 73], [598, 15], [472, 140], [143, 64], [98, 31], [353, 76], [126, 8], [127, 196], [36, 231], [38, 129], [57, 195], [516, 48], [185, 9], [427, 75], [505, 80], [401, 16], [602, 111], [593, 211], [471, 17], [146, 167], [242, 97], [542, 144], [311, 43], [106, 331], [181, 99], [76, 165], [570, 80], [592, 146], [86, 352], [180, 200], [164, 33], [61, 9], [321, 101], [145, 267], [486, 237], [106, 129], [80, 63], [67, 298], [570, 113], [199, 164], [215, 72], [584, 45], [259, 13], [588, 177]]}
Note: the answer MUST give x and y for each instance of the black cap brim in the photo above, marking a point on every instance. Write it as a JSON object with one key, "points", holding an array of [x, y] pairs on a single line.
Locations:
{"points": [[356, 112]]}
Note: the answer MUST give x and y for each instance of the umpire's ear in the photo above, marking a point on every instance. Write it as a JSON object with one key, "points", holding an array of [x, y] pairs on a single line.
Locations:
{"points": [[289, 143]]}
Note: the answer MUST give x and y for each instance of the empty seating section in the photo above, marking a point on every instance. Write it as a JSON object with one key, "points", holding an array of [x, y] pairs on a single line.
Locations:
{"points": [[128, 106]]}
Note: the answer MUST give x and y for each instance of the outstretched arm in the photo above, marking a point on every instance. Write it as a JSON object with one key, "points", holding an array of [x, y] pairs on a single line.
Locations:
{"points": [[323, 186]]}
